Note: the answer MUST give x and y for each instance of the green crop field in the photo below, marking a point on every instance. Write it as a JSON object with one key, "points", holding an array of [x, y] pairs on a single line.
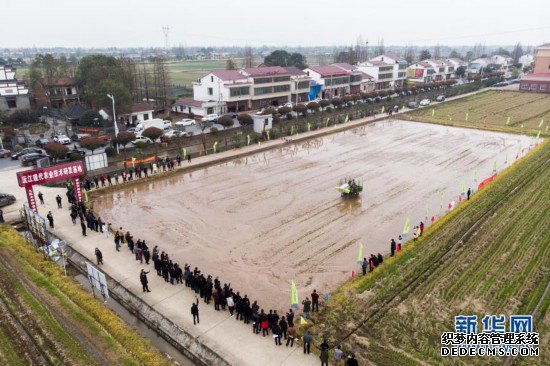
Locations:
{"points": [[492, 110], [491, 255]]}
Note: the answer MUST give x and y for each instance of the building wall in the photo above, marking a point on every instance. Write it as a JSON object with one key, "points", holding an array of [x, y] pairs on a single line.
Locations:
{"points": [[542, 61], [22, 102], [535, 86]]}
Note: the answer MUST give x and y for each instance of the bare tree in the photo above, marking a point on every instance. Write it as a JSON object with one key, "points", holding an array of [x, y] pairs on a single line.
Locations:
{"points": [[437, 52], [248, 57], [230, 64], [161, 80], [517, 53], [409, 55], [380, 49]]}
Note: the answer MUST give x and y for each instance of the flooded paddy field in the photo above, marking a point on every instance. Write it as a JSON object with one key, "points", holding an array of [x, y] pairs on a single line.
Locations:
{"points": [[264, 220]]}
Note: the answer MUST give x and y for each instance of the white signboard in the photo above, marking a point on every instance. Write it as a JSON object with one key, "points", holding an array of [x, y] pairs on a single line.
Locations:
{"points": [[97, 279], [96, 161]]}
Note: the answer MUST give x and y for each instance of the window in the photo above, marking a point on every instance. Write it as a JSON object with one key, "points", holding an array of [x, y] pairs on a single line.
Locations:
{"points": [[281, 88], [211, 79], [262, 80], [210, 91], [69, 91], [234, 92], [441, 69], [533, 86], [264, 90], [401, 74], [12, 103], [355, 78], [542, 87], [210, 110], [303, 85], [524, 86], [134, 118], [145, 116], [278, 79], [337, 81]]}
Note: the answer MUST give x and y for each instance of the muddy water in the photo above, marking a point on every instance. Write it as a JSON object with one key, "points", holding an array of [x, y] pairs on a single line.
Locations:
{"points": [[264, 220]]}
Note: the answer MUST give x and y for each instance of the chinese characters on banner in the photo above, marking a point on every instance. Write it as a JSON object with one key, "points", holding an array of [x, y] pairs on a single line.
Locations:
{"points": [[29, 178]]}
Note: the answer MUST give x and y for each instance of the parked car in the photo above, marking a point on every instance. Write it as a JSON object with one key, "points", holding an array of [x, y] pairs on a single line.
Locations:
{"points": [[395, 95], [131, 129], [80, 136], [231, 114], [62, 139], [395, 108], [173, 133], [425, 102], [41, 142], [81, 152], [25, 151], [144, 139], [210, 118], [410, 92], [4, 153], [186, 122], [412, 105], [30, 159], [6, 199], [289, 104], [440, 98]]}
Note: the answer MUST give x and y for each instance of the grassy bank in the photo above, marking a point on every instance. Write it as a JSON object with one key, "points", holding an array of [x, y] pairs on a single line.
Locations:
{"points": [[503, 111], [66, 323], [489, 256]]}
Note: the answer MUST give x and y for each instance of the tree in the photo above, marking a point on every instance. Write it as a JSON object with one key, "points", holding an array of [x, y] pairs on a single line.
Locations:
{"points": [[409, 55], [460, 71], [502, 52], [21, 117], [283, 58], [348, 56], [469, 56], [123, 138], [324, 103], [300, 109], [437, 52], [123, 98], [161, 82], [380, 49], [245, 119], [424, 55], [336, 102], [517, 53], [248, 57], [230, 64], [284, 110], [226, 121], [455, 54], [313, 106], [92, 143], [56, 150], [153, 133], [91, 118]]}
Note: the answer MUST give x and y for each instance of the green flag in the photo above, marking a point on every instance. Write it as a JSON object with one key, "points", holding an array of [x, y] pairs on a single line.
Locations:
{"points": [[522, 125], [328, 120], [383, 107], [215, 147], [248, 139], [495, 166], [293, 295], [450, 118], [292, 130], [546, 128], [433, 112], [309, 126], [347, 119], [541, 123], [508, 120], [267, 133], [467, 116], [407, 226], [463, 187], [360, 253], [184, 152], [538, 134]]}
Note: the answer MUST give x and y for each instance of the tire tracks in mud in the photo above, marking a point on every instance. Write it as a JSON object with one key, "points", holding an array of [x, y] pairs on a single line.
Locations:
{"points": [[412, 284]]}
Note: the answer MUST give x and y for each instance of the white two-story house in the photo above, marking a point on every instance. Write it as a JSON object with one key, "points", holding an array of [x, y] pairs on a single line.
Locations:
{"points": [[14, 95], [399, 68]]}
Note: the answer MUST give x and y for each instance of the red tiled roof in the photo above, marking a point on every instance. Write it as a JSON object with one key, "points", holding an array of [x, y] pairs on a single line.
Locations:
{"points": [[379, 63], [189, 102], [294, 71], [142, 107], [536, 77], [61, 81], [328, 70], [228, 75], [366, 76], [425, 64], [266, 71], [344, 65]]}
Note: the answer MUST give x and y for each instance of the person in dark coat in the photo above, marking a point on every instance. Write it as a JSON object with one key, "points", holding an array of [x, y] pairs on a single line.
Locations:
{"points": [[392, 247], [380, 258], [58, 200], [144, 281], [41, 197], [276, 333], [99, 256], [468, 193], [50, 218], [364, 266], [351, 361], [195, 311], [307, 339], [314, 301], [284, 327], [324, 347], [83, 226]]}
